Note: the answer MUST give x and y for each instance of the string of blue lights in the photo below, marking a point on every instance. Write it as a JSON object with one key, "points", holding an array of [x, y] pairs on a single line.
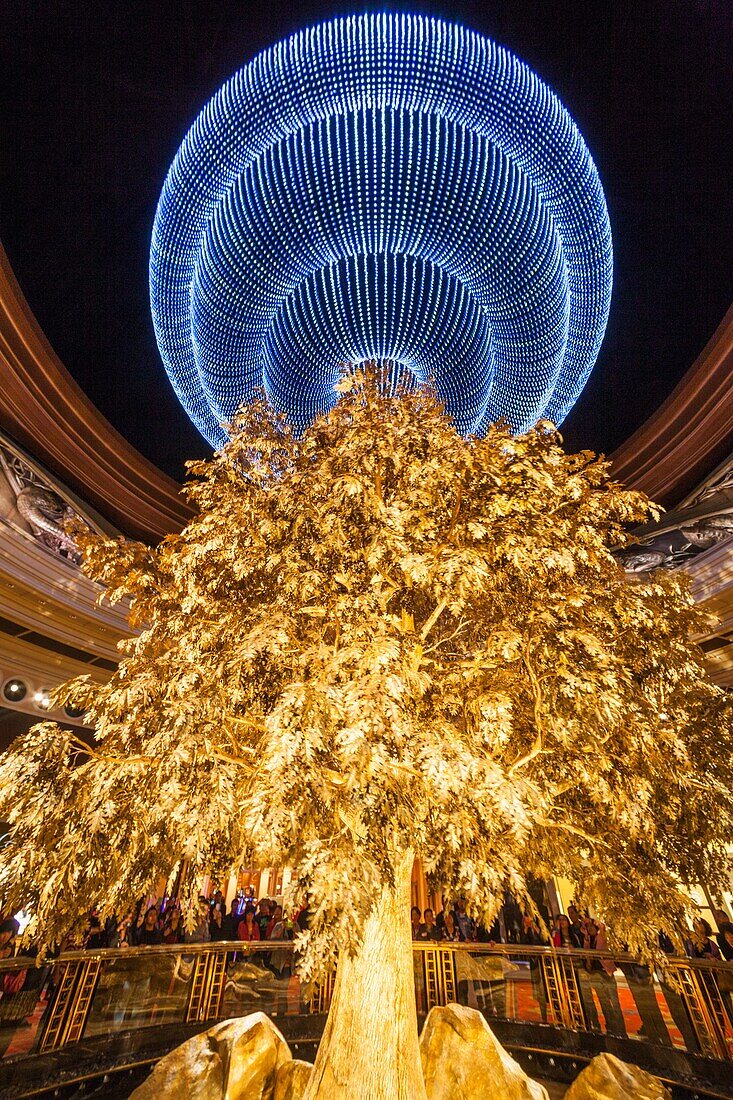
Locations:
{"points": [[386, 187]]}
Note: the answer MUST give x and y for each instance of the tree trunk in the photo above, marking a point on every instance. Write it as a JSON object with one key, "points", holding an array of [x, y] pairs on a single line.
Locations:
{"points": [[369, 1049]]}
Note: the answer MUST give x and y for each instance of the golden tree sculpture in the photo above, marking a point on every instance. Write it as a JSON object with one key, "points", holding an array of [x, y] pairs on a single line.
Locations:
{"points": [[375, 642]]}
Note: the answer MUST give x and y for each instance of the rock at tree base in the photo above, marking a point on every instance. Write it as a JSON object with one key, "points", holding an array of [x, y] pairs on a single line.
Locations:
{"points": [[256, 1053], [234, 1060], [292, 1080], [608, 1078], [192, 1067], [462, 1057]]}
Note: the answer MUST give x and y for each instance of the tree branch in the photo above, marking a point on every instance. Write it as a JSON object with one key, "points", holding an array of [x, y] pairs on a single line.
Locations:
{"points": [[538, 745], [430, 623], [456, 511], [565, 827], [449, 637]]}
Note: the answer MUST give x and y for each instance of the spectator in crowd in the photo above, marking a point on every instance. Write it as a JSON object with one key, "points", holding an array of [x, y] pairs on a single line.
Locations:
{"points": [[94, 937], [8, 931], [429, 928], [173, 929], [566, 934], [725, 939], [576, 920], [665, 943], [238, 905], [217, 902], [725, 946], [111, 925], [279, 961], [248, 930], [112, 931], [263, 916], [121, 930], [494, 934], [721, 917], [701, 943], [217, 928], [449, 930], [530, 932], [466, 925], [302, 919], [510, 918], [147, 933], [202, 932], [416, 924], [275, 929]]}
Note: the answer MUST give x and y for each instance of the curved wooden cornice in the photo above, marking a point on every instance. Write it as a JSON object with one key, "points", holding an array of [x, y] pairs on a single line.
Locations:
{"points": [[690, 433], [44, 409]]}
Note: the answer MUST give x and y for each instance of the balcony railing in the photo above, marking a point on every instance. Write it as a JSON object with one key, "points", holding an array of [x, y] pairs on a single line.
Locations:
{"points": [[91, 997]]}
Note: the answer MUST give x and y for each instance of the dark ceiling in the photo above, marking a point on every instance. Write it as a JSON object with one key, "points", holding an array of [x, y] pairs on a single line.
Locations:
{"points": [[97, 97]]}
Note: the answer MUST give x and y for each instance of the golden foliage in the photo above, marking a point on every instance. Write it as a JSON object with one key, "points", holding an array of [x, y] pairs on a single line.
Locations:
{"points": [[378, 636]]}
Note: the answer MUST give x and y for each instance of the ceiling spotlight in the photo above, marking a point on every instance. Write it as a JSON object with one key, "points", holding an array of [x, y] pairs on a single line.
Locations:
{"points": [[42, 699], [74, 712], [14, 691]]}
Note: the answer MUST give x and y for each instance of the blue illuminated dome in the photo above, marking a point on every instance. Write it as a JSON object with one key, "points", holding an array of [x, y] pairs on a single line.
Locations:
{"points": [[382, 187]]}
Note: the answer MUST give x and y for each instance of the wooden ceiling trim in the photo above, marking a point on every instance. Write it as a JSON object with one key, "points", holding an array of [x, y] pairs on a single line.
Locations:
{"points": [[44, 409], [690, 433]]}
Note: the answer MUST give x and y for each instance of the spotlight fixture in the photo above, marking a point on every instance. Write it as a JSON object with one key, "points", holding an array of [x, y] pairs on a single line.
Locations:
{"points": [[42, 699], [14, 691], [74, 712], [385, 187]]}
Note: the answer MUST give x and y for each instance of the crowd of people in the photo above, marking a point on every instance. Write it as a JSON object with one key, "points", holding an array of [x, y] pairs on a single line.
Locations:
{"points": [[599, 974], [248, 920], [452, 924], [574, 930]]}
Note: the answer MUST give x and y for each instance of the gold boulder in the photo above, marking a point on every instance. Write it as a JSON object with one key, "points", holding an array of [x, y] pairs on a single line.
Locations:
{"points": [[292, 1080], [608, 1078], [234, 1060], [462, 1057]]}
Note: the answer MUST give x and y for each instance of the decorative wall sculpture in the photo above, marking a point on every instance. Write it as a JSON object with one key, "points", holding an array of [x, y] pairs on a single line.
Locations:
{"points": [[31, 504], [390, 188], [700, 522]]}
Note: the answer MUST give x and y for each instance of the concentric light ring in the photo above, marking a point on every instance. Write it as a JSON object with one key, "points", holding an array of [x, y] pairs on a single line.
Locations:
{"points": [[389, 187]]}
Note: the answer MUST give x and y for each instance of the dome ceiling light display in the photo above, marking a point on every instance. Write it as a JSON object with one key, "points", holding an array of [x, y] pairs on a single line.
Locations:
{"points": [[382, 187]]}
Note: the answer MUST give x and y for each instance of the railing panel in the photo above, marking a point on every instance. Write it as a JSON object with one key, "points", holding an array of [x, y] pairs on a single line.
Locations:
{"points": [[262, 981], [23, 1008], [137, 990], [686, 1007]]}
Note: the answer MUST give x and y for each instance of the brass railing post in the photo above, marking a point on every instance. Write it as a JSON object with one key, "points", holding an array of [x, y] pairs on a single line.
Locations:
{"points": [[563, 994], [207, 986], [439, 972], [71, 1003], [706, 1010]]}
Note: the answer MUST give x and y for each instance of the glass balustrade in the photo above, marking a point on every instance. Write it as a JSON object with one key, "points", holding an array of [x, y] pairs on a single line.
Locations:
{"points": [[83, 997]]}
